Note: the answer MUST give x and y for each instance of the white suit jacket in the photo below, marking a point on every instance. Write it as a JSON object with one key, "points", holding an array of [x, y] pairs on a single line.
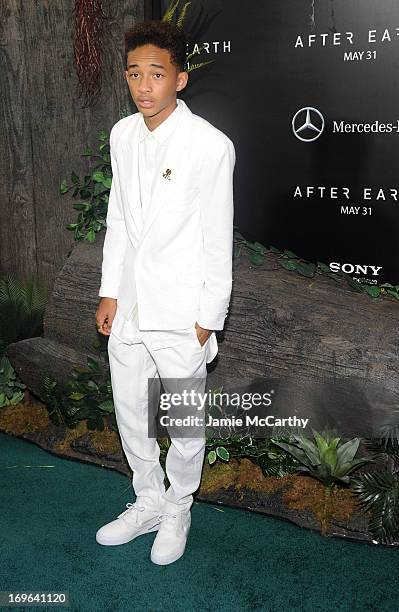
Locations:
{"points": [[177, 264]]}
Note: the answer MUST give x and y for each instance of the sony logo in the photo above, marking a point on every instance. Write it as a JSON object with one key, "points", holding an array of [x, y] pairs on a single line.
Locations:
{"points": [[354, 268]]}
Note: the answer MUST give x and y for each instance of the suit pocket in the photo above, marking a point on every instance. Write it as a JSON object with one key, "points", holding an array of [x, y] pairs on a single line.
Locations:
{"points": [[202, 346]]}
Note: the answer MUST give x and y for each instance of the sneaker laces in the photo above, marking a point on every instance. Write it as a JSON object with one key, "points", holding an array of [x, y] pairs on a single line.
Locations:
{"points": [[169, 520], [130, 508]]}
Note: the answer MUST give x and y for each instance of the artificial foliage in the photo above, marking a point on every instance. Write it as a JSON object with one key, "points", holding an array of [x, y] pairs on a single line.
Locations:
{"points": [[22, 304], [325, 457], [378, 491], [290, 261], [91, 192], [85, 396]]}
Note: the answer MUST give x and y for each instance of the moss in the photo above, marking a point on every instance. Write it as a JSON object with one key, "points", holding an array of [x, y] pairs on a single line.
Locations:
{"points": [[305, 492], [64, 446], [106, 441], [238, 473], [24, 417], [300, 492]]}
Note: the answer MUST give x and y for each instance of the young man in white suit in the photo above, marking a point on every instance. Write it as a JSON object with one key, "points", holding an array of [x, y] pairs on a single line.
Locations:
{"points": [[166, 276]]}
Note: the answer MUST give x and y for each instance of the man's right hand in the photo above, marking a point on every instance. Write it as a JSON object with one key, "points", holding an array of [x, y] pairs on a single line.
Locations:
{"points": [[105, 315]]}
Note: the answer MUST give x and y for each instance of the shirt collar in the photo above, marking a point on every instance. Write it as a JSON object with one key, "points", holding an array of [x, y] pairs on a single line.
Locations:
{"points": [[165, 129]]}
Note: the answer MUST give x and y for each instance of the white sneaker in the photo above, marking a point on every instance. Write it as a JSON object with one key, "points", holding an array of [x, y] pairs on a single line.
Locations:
{"points": [[135, 521], [170, 541]]}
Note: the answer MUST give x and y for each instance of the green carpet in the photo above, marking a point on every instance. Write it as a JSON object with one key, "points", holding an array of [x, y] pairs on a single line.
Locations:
{"points": [[234, 561]]}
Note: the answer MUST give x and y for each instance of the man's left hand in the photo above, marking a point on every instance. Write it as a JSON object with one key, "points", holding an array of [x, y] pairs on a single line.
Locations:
{"points": [[202, 334]]}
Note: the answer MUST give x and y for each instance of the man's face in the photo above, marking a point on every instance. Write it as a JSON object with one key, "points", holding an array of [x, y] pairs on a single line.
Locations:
{"points": [[153, 80]]}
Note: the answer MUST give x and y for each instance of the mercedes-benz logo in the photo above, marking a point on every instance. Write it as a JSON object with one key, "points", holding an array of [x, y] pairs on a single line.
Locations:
{"points": [[308, 124]]}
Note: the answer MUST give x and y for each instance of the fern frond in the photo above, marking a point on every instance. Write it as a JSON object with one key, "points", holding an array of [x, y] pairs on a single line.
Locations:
{"points": [[196, 66], [11, 289], [379, 493], [170, 11], [182, 15]]}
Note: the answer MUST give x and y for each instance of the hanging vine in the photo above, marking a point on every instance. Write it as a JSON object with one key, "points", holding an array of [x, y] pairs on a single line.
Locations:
{"points": [[89, 29]]}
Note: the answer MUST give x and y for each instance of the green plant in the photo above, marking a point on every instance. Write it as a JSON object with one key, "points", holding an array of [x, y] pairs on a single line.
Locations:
{"points": [[263, 452], [325, 458], [11, 388], [290, 261], [22, 304], [92, 192], [378, 492], [87, 395]]}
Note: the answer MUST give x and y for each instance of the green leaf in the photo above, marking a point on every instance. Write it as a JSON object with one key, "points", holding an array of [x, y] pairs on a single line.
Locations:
{"points": [[288, 264], [90, 235], [260, 247], [76, 396], [296, 452], [93, 364], [74, 178], [334, 442], [330, 457], [257, 259], [107, 183], [107, 406], [223, 453], [372, 290], [290, 254], [321, 444], [92, 385], [309, 447], [79, 206], [211, 457], [98, 176], [347, 451], [306, 269], [71, 226], [324, 267], [63, 187], [16, 398]]}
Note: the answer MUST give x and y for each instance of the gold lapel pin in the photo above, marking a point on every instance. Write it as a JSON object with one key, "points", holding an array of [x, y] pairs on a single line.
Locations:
{"points": [[167, 173]]}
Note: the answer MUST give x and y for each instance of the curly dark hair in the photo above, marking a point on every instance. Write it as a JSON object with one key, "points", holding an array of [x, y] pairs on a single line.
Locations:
{"points": [[162, 34]]}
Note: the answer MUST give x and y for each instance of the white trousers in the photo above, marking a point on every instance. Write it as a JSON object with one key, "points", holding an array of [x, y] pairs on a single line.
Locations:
{"points": [[135, 356]]}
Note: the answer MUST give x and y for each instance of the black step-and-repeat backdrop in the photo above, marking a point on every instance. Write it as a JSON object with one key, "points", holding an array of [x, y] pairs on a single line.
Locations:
{"points": [[308, 92]]}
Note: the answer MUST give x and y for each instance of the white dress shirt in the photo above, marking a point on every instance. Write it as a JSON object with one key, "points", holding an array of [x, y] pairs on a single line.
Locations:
{"points": [[149, 153]]}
